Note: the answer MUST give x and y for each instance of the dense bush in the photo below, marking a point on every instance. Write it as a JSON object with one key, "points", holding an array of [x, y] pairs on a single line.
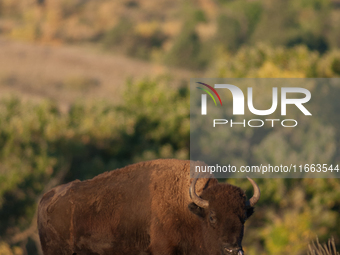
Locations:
{"points": [[263, 61], [38, 143], [41, 145], [172, 31], [135, 41]]}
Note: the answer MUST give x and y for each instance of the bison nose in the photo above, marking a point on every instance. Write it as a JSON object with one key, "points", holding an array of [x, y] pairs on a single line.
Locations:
{"points": [[232, 251], [227, 251]]}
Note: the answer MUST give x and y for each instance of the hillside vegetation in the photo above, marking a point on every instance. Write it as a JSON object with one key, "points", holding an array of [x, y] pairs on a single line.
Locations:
{"points": [[42, 147], [187, 34], [115, 116]]}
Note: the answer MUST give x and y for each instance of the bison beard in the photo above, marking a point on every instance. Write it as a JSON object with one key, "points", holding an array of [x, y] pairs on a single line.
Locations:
{"points": [[151, 207]]}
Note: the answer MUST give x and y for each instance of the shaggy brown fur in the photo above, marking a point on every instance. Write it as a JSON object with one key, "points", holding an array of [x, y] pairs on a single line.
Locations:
{"points": [[143, 208]]}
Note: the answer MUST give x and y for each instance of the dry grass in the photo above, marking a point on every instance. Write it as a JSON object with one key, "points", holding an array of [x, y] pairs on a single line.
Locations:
{"points": [[315, 248], [65, 73]]}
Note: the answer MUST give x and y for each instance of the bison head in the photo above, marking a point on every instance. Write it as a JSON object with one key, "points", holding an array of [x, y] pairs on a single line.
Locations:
{"points": [[223, 209]]}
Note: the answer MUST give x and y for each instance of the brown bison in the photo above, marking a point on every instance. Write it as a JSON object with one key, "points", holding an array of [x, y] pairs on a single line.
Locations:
{"points": [[151, 207]]}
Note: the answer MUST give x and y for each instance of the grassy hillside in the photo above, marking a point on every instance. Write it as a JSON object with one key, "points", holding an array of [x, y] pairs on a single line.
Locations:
{"points": [[89, 86], [42, 146], [67, 73], [186, 34]]}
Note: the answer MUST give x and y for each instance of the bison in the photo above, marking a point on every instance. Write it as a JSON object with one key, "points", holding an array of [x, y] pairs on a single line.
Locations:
{"points": [[151, 207]]}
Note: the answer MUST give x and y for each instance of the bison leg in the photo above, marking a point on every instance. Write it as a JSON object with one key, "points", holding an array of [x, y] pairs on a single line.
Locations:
{"points": [[155, 250], [51, 243], [164, 250], [162, 246], [56, 250]]}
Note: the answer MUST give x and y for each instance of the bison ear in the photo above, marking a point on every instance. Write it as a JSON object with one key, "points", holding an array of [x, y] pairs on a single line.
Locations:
{"points": [[249, 211], [196, 210]]}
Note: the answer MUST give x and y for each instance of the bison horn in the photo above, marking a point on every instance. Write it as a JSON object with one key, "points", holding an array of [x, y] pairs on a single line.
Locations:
{"points": [[251, 202], [196, 199]]}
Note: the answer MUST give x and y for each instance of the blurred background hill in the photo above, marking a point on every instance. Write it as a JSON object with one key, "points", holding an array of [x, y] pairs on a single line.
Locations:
{"points": [[89, 86], [188, 34]]}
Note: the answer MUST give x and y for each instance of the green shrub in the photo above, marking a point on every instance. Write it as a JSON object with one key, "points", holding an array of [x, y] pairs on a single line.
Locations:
{"points": [[188, 50], [38, 142]]}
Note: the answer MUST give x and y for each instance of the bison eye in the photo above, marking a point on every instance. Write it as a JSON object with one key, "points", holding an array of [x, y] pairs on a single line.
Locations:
{"points": [[212, 218]]}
